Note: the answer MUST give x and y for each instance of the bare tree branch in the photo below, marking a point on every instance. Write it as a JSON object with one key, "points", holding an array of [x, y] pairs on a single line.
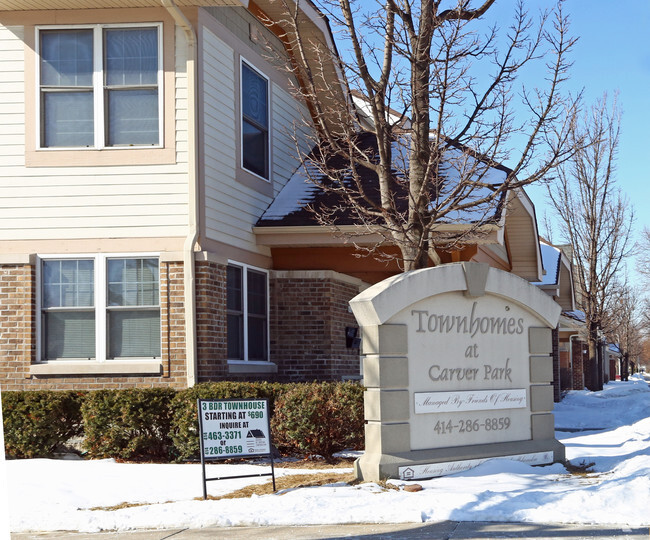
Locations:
{"points": [[596, 218], [437, 89]]}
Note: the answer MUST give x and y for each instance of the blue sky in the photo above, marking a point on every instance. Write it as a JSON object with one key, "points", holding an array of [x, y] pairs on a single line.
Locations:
{"points": [[612, 54]]}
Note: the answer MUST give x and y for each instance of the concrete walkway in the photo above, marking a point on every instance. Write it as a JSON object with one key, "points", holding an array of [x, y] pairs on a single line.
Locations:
{"points": [[405, 531]]}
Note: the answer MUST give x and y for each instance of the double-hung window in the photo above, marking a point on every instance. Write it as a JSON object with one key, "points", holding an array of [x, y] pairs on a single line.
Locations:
{"points": [[99, 308], [100, 86], [254, 121], [247, 303]]}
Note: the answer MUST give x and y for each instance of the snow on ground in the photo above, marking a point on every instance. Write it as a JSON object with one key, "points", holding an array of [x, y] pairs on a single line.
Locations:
{"points": [[48, 495]]}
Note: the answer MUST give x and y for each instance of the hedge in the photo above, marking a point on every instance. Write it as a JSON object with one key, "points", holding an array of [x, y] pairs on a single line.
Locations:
{"points": [[319, 418], [128, 424], [38, 423], [161, 424], [185, 427]]}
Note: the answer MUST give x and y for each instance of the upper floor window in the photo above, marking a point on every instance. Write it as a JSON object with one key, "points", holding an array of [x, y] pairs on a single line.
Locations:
{"points": [[100, 86], [254, 121]]}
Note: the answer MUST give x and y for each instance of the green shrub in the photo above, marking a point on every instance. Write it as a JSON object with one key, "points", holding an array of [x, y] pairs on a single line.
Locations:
{"points": [[319, 418], [35, 423], [161, 424], [128, 424], [185, 423]]}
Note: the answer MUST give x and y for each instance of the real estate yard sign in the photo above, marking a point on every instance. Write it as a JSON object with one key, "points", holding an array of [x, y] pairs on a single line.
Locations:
{"points": [[458, 369], [234, 428]]}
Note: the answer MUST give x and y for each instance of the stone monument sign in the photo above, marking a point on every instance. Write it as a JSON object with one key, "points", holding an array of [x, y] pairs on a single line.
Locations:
{"points": [[458, 369]]}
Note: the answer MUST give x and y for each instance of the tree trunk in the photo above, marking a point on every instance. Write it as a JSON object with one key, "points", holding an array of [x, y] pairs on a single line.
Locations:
{"points": [[601, 365], [414, 258], [591, 371]]}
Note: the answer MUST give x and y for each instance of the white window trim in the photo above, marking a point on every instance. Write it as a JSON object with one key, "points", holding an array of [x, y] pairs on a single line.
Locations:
{"points": [[243, 61], [101, 311], [98, 87], [245, 268]]}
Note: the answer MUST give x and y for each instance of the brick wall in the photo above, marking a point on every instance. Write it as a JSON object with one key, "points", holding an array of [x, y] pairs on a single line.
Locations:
{"points": [[580, 355], [172, 325], [17, 324], [308, 320], [18, 337], [211, 321], [557, 391]]}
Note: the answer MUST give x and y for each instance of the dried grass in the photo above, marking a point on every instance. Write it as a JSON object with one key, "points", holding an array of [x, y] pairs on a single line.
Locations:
{"points": [[284, 483]]}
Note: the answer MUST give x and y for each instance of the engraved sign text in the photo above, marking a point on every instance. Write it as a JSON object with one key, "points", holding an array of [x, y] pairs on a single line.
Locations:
{"points": [[475, 400]]}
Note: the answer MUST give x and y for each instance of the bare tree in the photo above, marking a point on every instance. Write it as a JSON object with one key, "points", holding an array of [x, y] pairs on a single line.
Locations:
{"points": [[624, 324], [439, 108], [596, 221], [643, 260]]}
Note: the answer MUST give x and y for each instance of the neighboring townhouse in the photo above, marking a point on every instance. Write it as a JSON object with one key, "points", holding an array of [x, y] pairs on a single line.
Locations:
{"points": [[153, 229], [615, 360], [558, 283]]}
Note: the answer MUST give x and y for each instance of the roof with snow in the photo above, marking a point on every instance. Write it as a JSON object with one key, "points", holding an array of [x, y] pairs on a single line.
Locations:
{"points": [[576, 315], [557, 280], [551, 260], [306, 191], [613, 347]]}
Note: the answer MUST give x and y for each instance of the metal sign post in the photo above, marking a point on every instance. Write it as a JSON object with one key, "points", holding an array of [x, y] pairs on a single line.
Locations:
{"points": [[234, 428]]}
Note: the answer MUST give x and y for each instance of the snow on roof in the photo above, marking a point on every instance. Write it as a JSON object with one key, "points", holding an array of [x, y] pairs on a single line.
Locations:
{"points": [[296, 194], [576, 315], [301, 191], [551, 260], [615, 348]]}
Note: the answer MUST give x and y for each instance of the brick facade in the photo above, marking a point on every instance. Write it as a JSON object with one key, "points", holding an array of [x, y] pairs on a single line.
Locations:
{"points": [[580, 354], [18, 337], [17, 324], [172, 326], [211, 332], [557, 390], [309, 316]]}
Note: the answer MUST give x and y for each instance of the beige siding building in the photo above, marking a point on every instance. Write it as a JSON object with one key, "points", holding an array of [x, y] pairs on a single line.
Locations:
{"points": [[153, 229], [140, 142]]}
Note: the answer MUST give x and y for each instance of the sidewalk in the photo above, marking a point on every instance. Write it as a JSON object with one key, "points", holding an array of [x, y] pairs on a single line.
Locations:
{"points": [[405, 531]]}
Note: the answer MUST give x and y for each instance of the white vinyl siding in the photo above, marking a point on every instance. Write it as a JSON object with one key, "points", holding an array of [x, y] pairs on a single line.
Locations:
{"points": [[288, 120], [12, 99], [232, 208], [181, 98], [42, 203]]}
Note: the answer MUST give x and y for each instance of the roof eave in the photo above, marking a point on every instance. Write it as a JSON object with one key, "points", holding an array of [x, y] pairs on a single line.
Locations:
{"points": [[58, 5], [319, 236]]}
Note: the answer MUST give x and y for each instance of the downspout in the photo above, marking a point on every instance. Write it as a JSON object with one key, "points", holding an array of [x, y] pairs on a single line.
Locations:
{"points": [[189, 273], [571, 359]]}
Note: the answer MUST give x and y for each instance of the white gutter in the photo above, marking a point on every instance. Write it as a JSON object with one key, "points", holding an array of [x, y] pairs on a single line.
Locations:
{"points": [[189, 272]]}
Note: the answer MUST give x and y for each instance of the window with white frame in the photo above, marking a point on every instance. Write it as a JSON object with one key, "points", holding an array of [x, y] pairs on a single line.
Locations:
{"points": [[247, 311], [100, 86], [254, 121], [99, 307]]}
